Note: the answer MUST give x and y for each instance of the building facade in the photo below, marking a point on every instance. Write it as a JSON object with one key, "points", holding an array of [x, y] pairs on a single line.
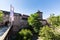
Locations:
{"points": [[20, 21], [18, 18]]}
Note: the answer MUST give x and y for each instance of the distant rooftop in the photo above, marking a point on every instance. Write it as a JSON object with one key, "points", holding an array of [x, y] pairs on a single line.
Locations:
{"points": [[39, 11]]}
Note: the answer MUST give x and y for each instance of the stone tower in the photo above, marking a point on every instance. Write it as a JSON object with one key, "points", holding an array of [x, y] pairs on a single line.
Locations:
{"points": [[40, 14]]}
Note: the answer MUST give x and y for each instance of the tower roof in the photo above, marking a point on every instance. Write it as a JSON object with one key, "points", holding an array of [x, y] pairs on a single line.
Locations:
{"points": [[39, 11]]}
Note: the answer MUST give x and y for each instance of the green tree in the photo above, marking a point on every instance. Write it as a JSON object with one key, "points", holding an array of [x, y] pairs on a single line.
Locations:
{"points": [[47, 33], [24, 34], [34, 21], [54, 20], [1, 16]]}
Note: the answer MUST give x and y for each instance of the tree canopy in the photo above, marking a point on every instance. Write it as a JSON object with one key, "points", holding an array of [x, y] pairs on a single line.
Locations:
{"points": [[34, 21], [1, 16], [54, 20], [24, 34]]}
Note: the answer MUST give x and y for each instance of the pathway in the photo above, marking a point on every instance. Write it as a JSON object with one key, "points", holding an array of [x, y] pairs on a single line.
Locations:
{"points": [[3, 32]]}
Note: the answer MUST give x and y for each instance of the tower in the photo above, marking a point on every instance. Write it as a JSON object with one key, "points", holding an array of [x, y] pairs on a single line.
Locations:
{"points": [[40, 14]]}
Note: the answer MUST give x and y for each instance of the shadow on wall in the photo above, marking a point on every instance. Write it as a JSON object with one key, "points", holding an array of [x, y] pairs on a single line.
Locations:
{"points": [[6, 23]]}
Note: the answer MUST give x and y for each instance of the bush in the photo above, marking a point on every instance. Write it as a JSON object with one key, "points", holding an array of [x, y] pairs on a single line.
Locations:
{"points": [[1, 16], [24, 34], [47, 33]]}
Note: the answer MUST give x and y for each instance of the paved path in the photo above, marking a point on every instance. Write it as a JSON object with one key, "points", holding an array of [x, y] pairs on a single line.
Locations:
{"points": [[4, 33]]}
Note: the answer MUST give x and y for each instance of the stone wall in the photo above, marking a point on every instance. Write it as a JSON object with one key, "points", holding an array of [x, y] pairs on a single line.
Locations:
{"points": [[20, 21]]}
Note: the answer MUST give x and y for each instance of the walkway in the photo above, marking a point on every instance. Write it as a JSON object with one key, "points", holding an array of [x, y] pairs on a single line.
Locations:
{"points": [[3, 32]]}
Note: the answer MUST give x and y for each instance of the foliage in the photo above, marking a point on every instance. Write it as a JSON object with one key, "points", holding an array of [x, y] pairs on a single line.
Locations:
{"points": [[54, 20], [1, 16], [57, 33], [47, 33], [25, 34], [34, 21]]}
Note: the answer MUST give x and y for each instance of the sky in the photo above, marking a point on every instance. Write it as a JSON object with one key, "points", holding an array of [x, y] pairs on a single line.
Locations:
{"points": [[31, 6]]}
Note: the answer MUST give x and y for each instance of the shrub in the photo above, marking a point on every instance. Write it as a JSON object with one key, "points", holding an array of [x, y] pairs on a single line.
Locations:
{"points": [[25, 34], [1, 16], [47, 33]]}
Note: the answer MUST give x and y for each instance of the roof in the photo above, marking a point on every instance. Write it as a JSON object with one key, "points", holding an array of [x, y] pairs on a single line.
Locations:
{"points": [[7, 12], [39, 11], [25, 16]]}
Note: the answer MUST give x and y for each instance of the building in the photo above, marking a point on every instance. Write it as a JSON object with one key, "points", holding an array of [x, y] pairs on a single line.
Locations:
{"points": [[18, 18], [40, 14], [20, 21]]}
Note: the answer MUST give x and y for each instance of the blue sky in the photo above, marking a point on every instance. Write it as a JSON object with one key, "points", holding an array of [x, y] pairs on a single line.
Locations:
{"points": [[31, 6]]}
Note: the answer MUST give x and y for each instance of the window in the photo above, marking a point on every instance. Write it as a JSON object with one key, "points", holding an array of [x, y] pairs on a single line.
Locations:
{"points": [[24, 18]]}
